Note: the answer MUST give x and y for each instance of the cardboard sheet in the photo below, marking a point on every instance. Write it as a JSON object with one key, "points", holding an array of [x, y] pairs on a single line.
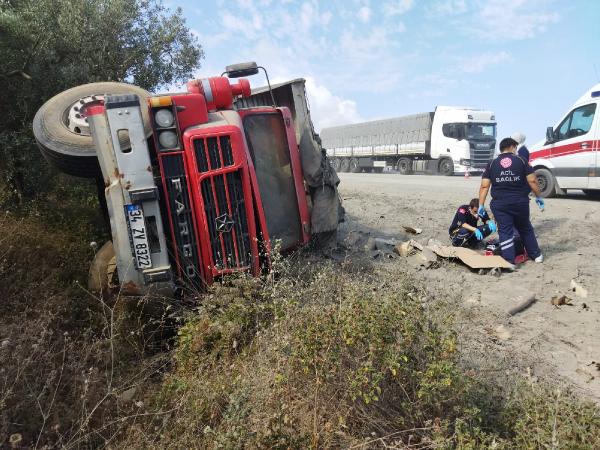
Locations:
{"points": [[470, 257]]}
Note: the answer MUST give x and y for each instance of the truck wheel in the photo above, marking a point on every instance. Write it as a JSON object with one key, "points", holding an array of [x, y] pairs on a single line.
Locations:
{"points": [[354, 166], [335, 163], [345, 165], [405, 166], [61, 130], [592, 193], [446, 167], [103, 270], [546, 183]]}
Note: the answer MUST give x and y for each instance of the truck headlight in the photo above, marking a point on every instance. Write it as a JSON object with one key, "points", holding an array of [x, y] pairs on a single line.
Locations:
{"points": [[465, 162], [164, 118], [167, 139]]}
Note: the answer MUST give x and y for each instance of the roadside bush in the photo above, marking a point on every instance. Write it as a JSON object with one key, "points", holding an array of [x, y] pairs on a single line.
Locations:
{"points": [[328, 358]]}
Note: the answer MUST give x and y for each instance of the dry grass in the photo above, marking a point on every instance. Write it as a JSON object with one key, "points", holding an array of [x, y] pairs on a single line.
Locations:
{"points": [[314, 355]]}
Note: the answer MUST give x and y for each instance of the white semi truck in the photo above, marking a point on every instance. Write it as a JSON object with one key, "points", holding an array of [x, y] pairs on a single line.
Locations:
{"points": [[447, 141]]}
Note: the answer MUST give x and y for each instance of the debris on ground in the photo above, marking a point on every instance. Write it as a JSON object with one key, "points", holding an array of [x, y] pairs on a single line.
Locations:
{"points": [[562, 300], [412, 230], [470, 257], [427, 257], [502, 333], [408, 248], [579, 290], [521, 303], [127, 395], [595, 364]]}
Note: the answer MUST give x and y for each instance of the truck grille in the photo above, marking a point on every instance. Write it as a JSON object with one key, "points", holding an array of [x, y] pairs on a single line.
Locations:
{"points": [[180, 211], [224, 204], [481, 154], [213, 153]]}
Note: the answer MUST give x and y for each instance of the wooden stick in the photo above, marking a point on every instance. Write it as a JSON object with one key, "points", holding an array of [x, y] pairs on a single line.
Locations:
{"points": [[529, 300]]}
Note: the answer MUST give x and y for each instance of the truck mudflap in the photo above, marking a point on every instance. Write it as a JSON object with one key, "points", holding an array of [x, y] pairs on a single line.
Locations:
{"points": [[132, 197]]}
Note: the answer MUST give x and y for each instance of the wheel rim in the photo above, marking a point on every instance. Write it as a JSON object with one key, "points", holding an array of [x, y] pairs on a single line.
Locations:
{"points": [[542, 183], [75, 119], [446, 166]]}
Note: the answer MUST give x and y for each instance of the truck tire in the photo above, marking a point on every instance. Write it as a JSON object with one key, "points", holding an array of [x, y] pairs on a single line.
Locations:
{"points": [[345, 165], [592, 193], [336, 163], [102, 271], [546, 182], [354, 166], [446, 167], [64, 144], [405, 166]]}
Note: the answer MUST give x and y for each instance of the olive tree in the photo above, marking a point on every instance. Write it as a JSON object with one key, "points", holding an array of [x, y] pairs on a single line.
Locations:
{"points": [[48, 46]]}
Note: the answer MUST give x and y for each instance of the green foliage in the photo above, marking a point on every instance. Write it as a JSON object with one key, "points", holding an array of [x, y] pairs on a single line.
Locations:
{"points": [[48, 46], [317, 357]]}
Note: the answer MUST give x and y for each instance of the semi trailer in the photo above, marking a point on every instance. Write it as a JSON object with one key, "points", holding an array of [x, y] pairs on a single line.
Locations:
{"points": [[197, 185], [447, 141]]}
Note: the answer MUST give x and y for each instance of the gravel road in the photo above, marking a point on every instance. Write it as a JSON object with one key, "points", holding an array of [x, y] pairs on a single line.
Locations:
{"points": [[544, 339]]}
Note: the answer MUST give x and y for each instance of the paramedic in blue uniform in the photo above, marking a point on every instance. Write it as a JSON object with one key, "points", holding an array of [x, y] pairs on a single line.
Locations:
{"points": [[465, 230], [511, 180]]}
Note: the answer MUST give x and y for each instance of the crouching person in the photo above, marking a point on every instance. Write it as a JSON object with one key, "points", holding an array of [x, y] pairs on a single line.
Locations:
{"points": [[465, 230]]}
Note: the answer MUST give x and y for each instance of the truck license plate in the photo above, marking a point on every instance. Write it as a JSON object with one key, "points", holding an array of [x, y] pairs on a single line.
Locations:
{"points": [[139, 236]]}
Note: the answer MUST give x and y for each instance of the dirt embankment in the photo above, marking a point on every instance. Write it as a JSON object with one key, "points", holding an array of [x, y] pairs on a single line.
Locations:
{"points": [[545, 339]]}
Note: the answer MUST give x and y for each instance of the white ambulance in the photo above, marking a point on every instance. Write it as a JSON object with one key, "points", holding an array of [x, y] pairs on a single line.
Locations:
{"points": [[569, 158]]}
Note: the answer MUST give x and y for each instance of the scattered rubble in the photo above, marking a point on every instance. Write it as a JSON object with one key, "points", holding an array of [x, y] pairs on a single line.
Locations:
{"points": [[412, 230], [562, 300], [502, 333], [127, 395], [579, 290]]}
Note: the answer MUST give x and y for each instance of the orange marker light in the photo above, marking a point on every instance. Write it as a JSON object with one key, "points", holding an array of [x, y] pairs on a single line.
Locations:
{"points": [[164, 100]]}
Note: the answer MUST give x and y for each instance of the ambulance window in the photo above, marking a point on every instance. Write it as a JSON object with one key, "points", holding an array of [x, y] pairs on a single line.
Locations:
{"points": [[582, 120], [578, 123]]}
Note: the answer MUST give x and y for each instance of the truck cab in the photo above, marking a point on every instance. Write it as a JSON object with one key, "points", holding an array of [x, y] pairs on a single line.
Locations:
{"points": [[568, 157], [464, 138], [198, 184]]}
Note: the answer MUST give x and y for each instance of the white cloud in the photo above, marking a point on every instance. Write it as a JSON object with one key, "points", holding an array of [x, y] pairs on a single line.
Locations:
{"points": [[311, 16], [484, 61], [327, 109], [513, 19], [447, 7], [364, 14], [397, 7]]}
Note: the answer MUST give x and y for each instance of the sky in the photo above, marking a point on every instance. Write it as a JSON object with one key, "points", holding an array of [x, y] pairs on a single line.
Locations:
{"points": [[526, 60]]}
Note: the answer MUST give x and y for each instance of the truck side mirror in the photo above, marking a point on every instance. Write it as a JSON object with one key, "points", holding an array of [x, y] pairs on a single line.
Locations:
{"points": [[549, 135], [241, 70]]}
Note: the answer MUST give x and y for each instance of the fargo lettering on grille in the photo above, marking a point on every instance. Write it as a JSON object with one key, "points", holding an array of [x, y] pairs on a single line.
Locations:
{"points": [[183, 229]]}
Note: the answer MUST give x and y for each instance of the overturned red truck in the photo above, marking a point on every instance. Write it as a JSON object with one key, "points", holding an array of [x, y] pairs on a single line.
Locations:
{"points": [[196, 185]]}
